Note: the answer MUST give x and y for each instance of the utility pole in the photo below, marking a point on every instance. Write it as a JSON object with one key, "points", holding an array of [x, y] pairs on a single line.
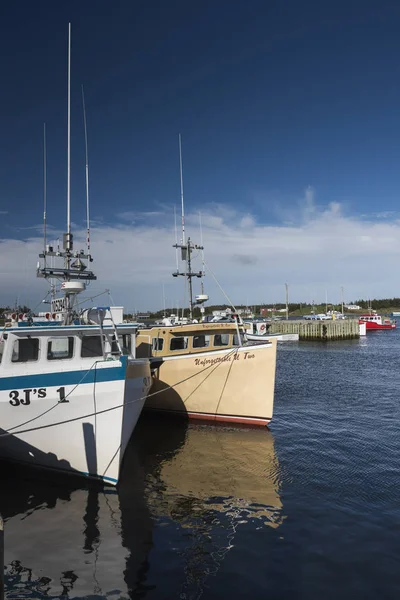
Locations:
{"points": [[287, 301], [342, 290]]}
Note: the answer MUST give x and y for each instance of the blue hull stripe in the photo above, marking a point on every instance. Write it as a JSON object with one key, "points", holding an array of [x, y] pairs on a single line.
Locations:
{"points": [[64, 378], [101, 477]]}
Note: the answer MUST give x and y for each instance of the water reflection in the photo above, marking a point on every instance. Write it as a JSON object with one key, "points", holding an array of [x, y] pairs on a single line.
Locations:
{"points": [[223, 469], [72, 548], [187, 487], [217, 481]]}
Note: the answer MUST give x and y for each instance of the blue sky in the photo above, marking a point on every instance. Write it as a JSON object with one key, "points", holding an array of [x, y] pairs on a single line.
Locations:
{"points": [[286, 109]]}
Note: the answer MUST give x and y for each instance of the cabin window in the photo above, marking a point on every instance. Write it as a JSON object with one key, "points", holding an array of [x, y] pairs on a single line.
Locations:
{"points": [[201, 341], [221, 339], [235, 340], [2, 346], [125, 341], [60, 348], [179, 343], [25, 350], [91, 346], [158, 344]]}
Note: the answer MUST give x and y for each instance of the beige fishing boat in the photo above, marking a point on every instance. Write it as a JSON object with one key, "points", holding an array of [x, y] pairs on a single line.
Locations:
{"points": [[203, 371]]}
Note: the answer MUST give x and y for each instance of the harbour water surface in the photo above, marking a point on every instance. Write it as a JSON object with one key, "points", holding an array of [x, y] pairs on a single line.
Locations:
{"points": [[309, 509]]}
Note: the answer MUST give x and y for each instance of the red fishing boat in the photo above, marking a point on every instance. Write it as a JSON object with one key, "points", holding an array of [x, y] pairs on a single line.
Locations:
{"points": [[374, 322]]}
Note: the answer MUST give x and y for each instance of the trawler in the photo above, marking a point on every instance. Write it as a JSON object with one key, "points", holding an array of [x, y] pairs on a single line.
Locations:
{"points": [[71, 389], [207, 371]]}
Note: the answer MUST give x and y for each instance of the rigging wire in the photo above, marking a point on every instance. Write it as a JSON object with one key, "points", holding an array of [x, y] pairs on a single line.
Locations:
{"points": [[220, 287], [106, 410], [57, 403]]}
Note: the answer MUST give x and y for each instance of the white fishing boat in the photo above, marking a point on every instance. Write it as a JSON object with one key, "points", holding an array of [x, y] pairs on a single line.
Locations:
{"points": [[257, 331], [71, 390]]}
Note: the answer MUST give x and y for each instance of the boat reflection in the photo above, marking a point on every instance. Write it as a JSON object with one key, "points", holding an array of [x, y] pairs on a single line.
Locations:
{"points": [[222, 468], [217, 483], [197, 484], [63, 540]]}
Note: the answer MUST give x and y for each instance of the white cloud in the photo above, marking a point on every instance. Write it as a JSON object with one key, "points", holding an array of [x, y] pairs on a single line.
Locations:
{"points": [[320, 249]]}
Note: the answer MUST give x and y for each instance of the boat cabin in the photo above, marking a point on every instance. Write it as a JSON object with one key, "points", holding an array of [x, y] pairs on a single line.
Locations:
{"points": [[42, 347], [187, 339], [373, 319]]}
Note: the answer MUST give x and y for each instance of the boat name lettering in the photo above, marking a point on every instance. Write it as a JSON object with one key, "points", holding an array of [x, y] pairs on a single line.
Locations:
{"points": [[205, 362], [24, 397], [208, 362], [58, 305]]}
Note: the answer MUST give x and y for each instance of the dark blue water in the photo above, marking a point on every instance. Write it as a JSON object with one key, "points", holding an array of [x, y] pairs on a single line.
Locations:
{"points": [[309, 509]]}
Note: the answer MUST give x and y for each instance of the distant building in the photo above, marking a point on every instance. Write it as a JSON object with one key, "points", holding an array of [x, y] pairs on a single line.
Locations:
{"points": [[352, 307], [222, 313]]}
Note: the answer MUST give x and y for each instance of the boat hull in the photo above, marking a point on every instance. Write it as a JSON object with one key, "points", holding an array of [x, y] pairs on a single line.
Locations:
{"points": [[88, 441], [280, 337], [235, 385], [370, 326]]}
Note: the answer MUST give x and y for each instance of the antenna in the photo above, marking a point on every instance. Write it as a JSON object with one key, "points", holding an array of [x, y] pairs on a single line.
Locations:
{"points": [[87, 174], [44, 190], [202, 255], [163, 293], [287, 301], [183, 206], [69, 147], [176, 241]]}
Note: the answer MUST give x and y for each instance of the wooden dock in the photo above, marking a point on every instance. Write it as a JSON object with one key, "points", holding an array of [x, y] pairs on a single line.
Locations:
{"points": [[323, 331]]}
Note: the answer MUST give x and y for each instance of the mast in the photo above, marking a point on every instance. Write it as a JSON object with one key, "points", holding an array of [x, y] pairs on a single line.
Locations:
{"points": [[202, 256], [182, 203], [44, 189], [163, 293], [73, 275], [287, 301], [186, 248], [68, 236], [176, 242]]}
